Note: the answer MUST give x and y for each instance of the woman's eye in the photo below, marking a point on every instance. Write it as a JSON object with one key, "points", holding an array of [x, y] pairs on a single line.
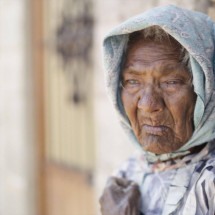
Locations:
{"points": [[131, 83], [171, 84], [174, 82]]}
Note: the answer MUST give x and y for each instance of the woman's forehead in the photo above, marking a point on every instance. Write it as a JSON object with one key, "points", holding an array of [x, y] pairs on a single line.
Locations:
{"points": [[161, 58], [156, 70], [147, 51], [146, 54]]}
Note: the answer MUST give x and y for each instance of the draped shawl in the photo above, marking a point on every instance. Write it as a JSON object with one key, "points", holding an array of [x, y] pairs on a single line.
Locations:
{"points": [[195, 31]]}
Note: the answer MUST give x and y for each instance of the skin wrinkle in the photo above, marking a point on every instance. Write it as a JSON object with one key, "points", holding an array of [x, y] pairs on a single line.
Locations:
{"points": [[168, 112]]}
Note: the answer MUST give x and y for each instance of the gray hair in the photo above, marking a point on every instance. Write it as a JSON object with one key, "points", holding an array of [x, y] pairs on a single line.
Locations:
{"points": [[157, 34]]}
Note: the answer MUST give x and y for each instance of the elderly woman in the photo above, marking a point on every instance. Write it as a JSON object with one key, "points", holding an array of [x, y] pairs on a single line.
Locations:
{"points": [[160, 76]]}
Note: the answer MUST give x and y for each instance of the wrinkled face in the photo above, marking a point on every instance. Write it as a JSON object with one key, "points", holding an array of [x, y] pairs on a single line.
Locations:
{"points": [[158, 97]]}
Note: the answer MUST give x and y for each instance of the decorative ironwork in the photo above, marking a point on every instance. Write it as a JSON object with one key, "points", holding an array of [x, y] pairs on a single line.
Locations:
{"points": [[74, 38]]}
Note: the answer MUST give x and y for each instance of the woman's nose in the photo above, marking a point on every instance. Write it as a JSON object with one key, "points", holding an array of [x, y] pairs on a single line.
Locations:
{"points": [[150, 101]]}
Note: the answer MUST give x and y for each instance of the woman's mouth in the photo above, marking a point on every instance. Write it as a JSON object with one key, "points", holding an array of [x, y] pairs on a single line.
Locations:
{"points": [[155, 130]]}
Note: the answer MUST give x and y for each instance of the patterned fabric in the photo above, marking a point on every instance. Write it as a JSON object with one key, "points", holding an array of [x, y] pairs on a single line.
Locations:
{"points": [[196, 32], [184, 186], [172, 186]]}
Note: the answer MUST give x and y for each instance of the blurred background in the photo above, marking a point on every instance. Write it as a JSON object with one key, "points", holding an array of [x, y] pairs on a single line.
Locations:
{"points": [[59, 136]]}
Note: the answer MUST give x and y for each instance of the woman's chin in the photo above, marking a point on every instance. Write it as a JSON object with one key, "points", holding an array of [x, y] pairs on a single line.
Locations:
{"points": [[158, 144]]}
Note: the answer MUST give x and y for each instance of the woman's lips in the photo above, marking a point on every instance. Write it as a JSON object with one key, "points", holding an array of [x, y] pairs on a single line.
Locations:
{"points": [[155, 130]]}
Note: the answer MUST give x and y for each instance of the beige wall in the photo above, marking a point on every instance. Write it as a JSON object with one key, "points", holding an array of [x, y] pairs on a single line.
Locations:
{"points": [[17, 186]]}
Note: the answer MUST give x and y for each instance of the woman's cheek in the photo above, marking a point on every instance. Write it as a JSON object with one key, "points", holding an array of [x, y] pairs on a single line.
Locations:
{"points": [[129, 103]]}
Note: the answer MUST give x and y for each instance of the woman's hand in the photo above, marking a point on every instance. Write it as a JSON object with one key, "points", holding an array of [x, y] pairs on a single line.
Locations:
{"points": [[120, 197]]}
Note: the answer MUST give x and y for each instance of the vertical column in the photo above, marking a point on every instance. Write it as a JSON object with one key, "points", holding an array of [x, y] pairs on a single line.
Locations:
{"points": [[17, 188], [37, 43]]}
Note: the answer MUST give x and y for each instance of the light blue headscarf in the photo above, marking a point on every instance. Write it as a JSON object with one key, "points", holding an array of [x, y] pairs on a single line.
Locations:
{"points": [[194, 31]]}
